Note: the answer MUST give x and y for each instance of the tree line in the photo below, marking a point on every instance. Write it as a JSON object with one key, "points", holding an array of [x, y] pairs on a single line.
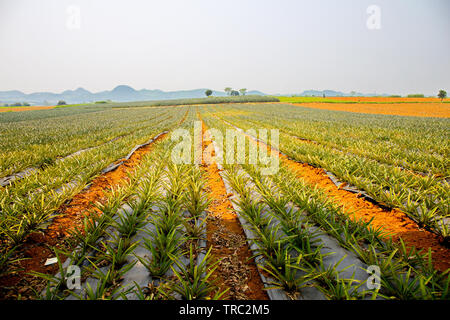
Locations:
{"points": [[229, 91]]}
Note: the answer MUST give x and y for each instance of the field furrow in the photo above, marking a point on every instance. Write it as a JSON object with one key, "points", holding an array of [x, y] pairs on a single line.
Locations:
{"points": [[236, 270]]}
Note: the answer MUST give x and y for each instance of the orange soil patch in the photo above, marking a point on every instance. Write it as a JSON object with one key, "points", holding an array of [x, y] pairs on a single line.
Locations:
{"points": [[439, 110], [386, 99], [394, 222], [37, 245], [17, 109], [237, 270]]}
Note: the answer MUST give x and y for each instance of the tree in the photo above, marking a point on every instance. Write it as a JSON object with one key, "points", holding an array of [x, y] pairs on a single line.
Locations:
{"points": [[228, 90], [234, 93], [442, 94], [243, 91], [208, 92], [61, 103]]}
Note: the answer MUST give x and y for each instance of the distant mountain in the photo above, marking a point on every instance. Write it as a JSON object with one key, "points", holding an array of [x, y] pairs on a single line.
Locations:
{"points": [[121, 93], [256, 93], [332, 93]]}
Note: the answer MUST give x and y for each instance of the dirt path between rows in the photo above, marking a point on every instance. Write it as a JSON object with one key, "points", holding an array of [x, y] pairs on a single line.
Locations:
{"points": [[236, 270]]}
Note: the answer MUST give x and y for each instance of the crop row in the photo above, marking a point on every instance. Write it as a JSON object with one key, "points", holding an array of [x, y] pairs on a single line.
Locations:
{"points": [[151, 247], [38, 143], [289, 218], [424, 198], [387, 139], [33, 202]]}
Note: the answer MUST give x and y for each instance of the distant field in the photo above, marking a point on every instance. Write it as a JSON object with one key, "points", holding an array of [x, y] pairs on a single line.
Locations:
{"points": [[361, 100], [192, 101], [154, 103], [15, 109], [427, 109]]}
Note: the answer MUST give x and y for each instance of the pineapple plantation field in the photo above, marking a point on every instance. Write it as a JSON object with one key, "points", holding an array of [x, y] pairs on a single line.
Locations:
{"points": [[401, 106], [246, 199]]}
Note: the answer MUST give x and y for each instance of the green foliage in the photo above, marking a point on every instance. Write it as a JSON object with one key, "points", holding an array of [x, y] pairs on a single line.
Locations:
{"points": [[194, 279], [442, 94], [292, 278], [163, 246]]}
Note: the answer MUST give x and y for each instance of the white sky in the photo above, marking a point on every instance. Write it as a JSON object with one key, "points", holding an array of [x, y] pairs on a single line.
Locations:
{"points": [[277, 46]]}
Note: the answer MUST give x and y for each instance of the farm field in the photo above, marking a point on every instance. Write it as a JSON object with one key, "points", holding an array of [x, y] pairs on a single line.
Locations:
{"points": [[415, 107], [18, 109], [148, 202], [401, 109], [363, 100]]}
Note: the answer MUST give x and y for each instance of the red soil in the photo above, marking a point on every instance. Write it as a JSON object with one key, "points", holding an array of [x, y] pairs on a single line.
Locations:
{"points": [[439, 110], [17, 109], [237, 270], [386, 99]]}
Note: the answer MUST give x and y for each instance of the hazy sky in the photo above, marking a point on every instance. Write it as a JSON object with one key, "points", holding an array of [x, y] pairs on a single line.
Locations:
{"points": [[276, 46]]}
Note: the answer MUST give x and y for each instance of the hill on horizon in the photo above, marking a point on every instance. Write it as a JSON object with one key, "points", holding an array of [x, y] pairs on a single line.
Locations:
{"points": [[333, 93], [121, 93]]}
